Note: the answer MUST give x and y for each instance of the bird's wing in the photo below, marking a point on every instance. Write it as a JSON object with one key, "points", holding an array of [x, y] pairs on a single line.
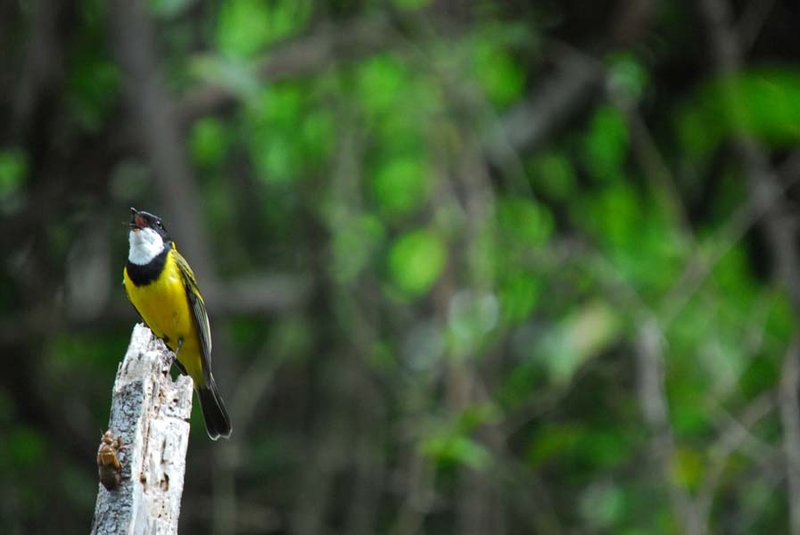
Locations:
{"points": [[198, 309]]}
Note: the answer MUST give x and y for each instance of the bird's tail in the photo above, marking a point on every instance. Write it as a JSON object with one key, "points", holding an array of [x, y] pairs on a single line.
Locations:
{"points": [[218, 423]]}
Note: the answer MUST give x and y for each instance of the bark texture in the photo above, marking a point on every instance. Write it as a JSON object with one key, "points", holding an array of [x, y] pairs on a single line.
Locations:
{"points": [[150, 412]]}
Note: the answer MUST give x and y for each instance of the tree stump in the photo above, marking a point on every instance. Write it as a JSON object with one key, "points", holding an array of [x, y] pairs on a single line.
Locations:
{"points": [[150, 413]]}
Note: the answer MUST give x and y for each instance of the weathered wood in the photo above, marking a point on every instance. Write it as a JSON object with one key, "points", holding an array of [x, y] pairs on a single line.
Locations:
{"points": [[150, 413]]}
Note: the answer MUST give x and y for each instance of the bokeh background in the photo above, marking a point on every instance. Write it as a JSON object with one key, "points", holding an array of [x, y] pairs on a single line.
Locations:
{"points": [[471, 266]]}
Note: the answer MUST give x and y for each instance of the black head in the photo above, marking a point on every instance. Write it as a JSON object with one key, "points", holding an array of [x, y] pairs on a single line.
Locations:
{"points": [[142, 220]]}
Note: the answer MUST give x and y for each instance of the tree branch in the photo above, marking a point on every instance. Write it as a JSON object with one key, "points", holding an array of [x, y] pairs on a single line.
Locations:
{"points": [[779, 224], [529, 123], [790, 420], [655, 408], [764, 183]]}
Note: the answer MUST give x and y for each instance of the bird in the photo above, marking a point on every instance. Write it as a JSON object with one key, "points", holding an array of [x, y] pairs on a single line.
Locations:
{"points": [[162, 288]]}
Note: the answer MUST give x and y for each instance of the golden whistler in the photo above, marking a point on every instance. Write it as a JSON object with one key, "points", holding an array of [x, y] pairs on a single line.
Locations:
{"points": [[163, 289]]}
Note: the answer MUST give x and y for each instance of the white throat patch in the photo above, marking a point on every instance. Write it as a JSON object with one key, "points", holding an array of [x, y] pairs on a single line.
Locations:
{"points": [[146, 244]]}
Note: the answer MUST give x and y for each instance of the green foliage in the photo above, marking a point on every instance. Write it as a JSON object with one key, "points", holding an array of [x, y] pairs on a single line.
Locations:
{"points": [[582, 335], [606, 144], [553, 175], [209, 142], [381, 81], [355, 246], [524, 223], [639, 240], [71, 351], [93, 90], [499, 75], [245, 27], [13, 171], [688, 468], [454, 450], [519, 293], [26, 448], [451, 446], [578, 444], [396, 99], [410, 4], [288, 133], [767, 104], [416, 261], [246, 333], [628, 76], [168, 8], [401, 185]]}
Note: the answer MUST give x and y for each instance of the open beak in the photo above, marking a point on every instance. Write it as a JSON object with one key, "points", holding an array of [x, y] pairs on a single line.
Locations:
{"points": [[137, 221]]}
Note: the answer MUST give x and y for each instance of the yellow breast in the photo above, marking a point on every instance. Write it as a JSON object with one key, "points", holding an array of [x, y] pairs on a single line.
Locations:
{"points": [[164, 306]]}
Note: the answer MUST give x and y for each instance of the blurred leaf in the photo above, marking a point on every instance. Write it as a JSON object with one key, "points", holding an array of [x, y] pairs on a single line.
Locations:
{"points": [[456, 449], [732, 276], [552, 441], [606, 143], [781, 318], [762, 102], [92, 90], [613, 215], [518, 296], [627, 76], [13, 170], [523, 382], [578, 338], [208, 142], [759, 377], [410, 4], [499, 75], [688, 467], [523, 221], [553, 175], [689, 419], [578, 444], [476, 415], [401, 109], [416, 261], [246, 333], [382, 84], [644, 246], [317, 131], [400, 185], [245, 27], [288, 134], [92, 80]]}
